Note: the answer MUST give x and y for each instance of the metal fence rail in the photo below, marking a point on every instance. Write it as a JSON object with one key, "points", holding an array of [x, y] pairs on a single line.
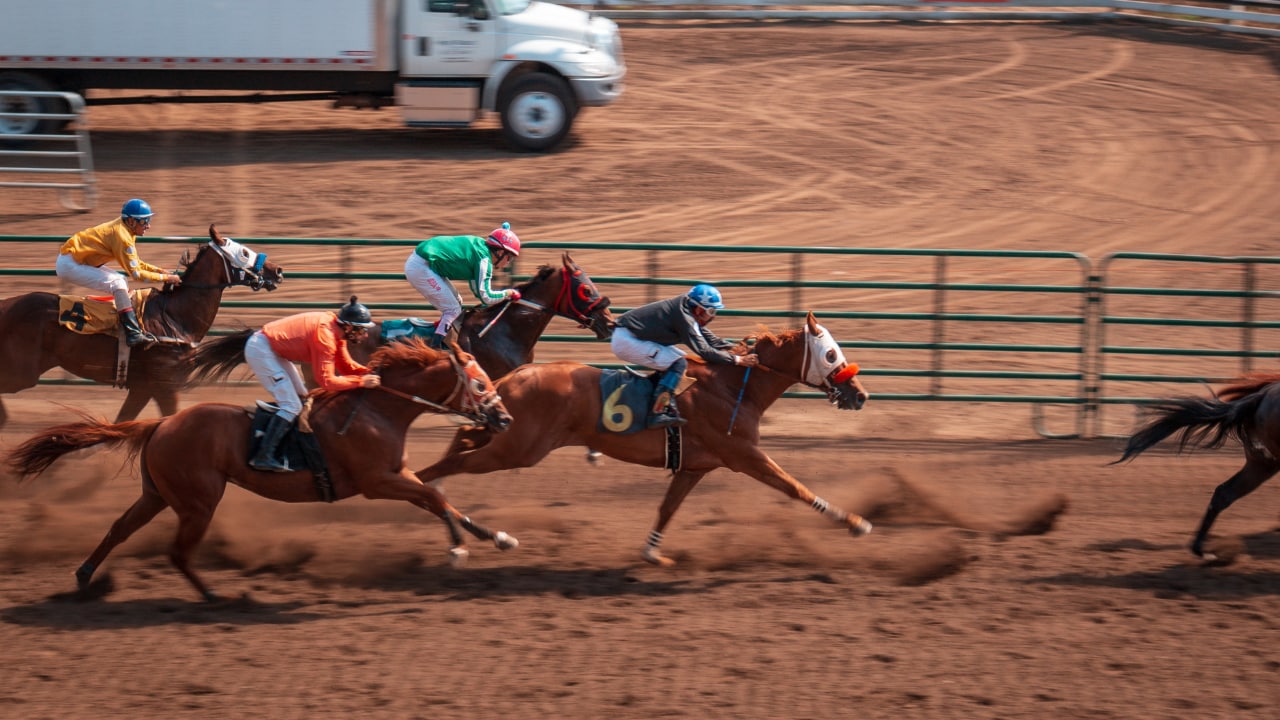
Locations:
{"points": [[1054, 331], [40, 158]]}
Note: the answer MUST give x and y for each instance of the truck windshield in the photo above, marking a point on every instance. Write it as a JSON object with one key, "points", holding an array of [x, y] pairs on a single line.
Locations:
{"points": [[511, 7]]}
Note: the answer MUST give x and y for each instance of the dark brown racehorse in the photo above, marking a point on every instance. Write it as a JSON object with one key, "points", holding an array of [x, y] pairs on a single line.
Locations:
{"points": [[559, 404], [32, 340], [1247, 410], [502, 336], [187, 459]]}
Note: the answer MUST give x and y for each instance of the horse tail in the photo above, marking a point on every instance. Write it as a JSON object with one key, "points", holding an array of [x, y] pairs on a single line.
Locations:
{"points": [[213, 360], [1203, 422], [1247, 385], [34, 456]]}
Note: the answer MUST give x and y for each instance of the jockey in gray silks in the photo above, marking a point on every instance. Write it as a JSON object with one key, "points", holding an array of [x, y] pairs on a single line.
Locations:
{"points": [[647, 336]]}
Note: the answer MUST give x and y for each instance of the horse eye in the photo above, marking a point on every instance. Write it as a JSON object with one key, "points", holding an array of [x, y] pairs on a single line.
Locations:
{"points": [[477, 386], [831, 355]]}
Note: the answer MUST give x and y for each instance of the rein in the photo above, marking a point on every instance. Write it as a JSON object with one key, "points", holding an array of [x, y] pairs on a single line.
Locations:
{"points": [[442, 408]]}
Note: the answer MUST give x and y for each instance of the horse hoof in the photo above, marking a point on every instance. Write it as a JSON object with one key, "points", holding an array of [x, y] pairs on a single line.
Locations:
{"points": [[860, 528], [652, 556], [458, 556], [504, 541]]}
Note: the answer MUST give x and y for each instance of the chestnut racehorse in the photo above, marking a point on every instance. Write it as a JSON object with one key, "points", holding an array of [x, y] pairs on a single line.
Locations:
{"points": [[187, 459], [559, 404], [32, 339], [1248, 410]]}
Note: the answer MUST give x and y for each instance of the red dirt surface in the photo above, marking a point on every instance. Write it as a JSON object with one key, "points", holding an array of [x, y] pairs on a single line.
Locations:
{"points": [[965, 602]]}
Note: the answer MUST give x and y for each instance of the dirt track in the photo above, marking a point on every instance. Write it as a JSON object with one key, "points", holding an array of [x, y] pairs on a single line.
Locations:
{"points": [[1009, 136]]}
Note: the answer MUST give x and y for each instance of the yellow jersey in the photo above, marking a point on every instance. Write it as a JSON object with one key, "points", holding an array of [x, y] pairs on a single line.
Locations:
{"points": [[109, 241]]}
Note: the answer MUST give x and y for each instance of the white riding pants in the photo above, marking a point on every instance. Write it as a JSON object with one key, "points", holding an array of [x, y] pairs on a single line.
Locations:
{"points": [[437, 290], [101, 279], [643, 352], [280, 377]]}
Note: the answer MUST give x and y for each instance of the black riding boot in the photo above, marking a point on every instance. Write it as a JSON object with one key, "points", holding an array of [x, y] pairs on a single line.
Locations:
{"points": [[134, 335], [664, 412], [436, 342], [266, 459]]}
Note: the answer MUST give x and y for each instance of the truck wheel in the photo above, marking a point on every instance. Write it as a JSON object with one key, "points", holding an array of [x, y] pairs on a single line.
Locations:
{"points": [[22, 125], [537, 112]]}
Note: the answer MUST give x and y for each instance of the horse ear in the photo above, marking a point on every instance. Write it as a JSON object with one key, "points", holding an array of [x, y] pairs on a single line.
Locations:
{"points": [[215, 236], [812, 322]]}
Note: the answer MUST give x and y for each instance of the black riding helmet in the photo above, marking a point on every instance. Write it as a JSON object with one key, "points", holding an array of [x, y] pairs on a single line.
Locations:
{"points": [[355, 314]]}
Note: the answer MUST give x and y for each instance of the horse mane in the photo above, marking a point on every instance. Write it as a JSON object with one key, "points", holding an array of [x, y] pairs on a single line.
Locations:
{"points": [[544, 271], [765, 335], [409, 351], [1247, 385]]}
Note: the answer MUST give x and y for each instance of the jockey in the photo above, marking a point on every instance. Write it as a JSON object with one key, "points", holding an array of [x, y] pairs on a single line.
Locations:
{"points": [[436, 261], [647, 336], [319, 338], [83, 258]]}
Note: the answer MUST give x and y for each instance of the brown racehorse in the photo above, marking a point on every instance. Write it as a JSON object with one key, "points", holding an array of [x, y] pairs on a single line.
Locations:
{"points": [[502, 335], [187, 459], [33, 341], [1248, 410], [559, 404]]}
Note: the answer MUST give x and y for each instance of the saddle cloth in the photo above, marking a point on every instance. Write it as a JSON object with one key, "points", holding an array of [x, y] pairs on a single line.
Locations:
{"points": [[627, 396], [91, 315], [406, 328]]}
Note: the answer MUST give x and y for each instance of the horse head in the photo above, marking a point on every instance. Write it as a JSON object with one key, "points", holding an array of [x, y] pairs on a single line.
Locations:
{"points": [[239, 266], [825, 367], [578, 299], [414, 371], [818, 362]]}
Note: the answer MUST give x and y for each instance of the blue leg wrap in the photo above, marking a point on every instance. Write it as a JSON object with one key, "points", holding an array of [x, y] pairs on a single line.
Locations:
{"points": [[671, 378]]}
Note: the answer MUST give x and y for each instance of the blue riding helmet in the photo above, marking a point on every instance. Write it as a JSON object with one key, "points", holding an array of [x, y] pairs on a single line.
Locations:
{"points": [[137, 209], [705, 297]]}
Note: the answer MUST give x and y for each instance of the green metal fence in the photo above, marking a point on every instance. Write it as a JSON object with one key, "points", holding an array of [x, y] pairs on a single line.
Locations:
{"points": [[1050, 330]]}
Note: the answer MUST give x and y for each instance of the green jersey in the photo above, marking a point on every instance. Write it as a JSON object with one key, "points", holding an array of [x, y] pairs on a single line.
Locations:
{"points": [[462, 257]]}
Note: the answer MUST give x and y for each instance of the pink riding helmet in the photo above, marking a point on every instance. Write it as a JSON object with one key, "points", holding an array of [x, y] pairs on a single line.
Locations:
{"points": [[504, 238]]}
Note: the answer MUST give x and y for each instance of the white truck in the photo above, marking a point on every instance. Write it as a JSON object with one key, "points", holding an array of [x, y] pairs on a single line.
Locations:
{"points": [[442, 62]]}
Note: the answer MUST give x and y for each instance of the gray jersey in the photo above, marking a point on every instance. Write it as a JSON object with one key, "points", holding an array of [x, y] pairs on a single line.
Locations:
{"points": [[668, 322]]}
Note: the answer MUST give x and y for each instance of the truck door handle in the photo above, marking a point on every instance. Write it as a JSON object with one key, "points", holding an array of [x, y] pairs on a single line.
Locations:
{"points": [[424, 46], [473, 26]]}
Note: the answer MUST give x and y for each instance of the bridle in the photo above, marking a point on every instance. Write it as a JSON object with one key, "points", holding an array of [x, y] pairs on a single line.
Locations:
{"points": [[236, 271], [849, 370], [565, 305], [478, 396]]}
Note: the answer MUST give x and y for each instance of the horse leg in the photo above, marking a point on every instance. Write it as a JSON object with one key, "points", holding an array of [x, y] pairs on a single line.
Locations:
{"points": [[139, 514], [1256, 471], [134, 402], [193, 523], [755, 462], [407, 487], [682, 482]]}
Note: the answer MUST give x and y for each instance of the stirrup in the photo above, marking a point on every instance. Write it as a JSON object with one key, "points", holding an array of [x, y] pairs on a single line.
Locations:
{"points": [[665, 419]]}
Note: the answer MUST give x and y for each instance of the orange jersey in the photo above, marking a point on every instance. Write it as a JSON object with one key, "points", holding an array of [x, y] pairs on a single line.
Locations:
{"points": [[109, 241], [315, 337]]}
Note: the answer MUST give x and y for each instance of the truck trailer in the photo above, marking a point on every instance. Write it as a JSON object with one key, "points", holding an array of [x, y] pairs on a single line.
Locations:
{"points": [[444, 63]]}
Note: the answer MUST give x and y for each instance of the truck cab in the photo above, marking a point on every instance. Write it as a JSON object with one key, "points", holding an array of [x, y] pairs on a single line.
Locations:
{"points": [[534, 63]]}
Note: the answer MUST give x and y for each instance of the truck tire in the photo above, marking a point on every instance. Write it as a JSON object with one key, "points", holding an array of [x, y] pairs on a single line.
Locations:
{"points": [[27, 82], [537, 112]]}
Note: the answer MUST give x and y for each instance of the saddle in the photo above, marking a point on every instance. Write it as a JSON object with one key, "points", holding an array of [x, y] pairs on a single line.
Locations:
{"points": [[299, 449]]}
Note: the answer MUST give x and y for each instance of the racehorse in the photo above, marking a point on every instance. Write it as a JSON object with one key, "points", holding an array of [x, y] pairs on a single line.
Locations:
{"points": [[1248, 410], [32, 341], [559, 404], [188, 458], [501, 336]]}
